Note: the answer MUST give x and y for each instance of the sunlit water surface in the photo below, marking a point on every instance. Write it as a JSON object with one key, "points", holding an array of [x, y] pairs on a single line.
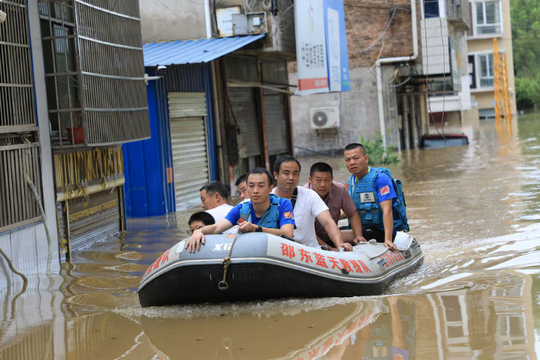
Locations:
{"points": [[475, 210]]}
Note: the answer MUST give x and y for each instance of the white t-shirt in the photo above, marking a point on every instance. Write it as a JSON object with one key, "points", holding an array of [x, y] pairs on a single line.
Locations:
{"points": [[219, 213], [308, 206]]}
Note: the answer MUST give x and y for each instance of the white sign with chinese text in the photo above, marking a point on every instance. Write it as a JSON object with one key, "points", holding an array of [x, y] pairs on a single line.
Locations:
{"points": [[311, 47]]}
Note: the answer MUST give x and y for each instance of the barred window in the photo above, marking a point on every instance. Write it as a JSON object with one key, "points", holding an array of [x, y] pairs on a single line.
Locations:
{"points": [[19, 144]]}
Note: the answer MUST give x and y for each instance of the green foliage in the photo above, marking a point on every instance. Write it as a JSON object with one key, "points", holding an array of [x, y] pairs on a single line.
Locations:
{"points": [[525, 37], [527, 92], [376, 150]]}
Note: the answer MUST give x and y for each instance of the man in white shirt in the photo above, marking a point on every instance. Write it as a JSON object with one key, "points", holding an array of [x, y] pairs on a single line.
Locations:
{"points": [[307, 205], [214, 197]]}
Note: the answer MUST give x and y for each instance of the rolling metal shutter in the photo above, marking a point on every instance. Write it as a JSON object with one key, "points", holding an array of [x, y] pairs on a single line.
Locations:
{"points": [[98, 219], [187, 113], [277, 131], [245, 112]]}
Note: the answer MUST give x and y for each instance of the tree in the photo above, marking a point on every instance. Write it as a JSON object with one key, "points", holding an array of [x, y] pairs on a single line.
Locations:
{"points": [[525, 16]]}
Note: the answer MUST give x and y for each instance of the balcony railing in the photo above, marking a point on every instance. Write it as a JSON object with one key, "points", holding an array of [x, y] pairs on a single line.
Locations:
{"points": [[95, 72], [459, 13]]}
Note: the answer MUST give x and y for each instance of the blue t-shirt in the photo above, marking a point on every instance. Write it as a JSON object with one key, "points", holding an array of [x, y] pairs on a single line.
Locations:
{"points": [[285, 208]]}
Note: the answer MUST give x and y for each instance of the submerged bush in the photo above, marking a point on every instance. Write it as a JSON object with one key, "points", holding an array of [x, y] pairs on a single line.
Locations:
{"points": [[376, 151]]}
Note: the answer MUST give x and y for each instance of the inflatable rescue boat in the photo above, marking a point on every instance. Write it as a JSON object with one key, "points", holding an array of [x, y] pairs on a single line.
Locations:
{"points": [[264, 266]]}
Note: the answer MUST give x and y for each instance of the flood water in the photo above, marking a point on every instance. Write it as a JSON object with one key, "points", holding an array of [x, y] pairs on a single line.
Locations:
{"points": [[474, 209]]}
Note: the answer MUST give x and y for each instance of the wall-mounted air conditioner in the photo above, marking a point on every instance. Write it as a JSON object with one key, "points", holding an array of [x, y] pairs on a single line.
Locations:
{"points": [[324, 118]]}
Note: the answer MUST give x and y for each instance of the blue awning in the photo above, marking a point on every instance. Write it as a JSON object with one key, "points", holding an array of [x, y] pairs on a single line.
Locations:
{"points": [[194, 51]]}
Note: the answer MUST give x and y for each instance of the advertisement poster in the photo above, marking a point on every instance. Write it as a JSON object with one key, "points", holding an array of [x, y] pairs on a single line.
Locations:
{"points": [[311, 47]]}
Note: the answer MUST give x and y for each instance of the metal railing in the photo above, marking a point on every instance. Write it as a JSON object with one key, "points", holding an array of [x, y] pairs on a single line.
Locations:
{"points": [[16, 88], [96, 71], [459, 10], [18, 206], [19, 148]]}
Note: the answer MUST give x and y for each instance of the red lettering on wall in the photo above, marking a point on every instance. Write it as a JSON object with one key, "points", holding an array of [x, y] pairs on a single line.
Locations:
{"points": [[287, 250], [321, 260], [305, 256]]}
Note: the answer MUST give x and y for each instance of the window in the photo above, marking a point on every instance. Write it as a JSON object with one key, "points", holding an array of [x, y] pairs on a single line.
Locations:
{"points": [[431, 9], [487, 74], [488, 18], [472, 71]]}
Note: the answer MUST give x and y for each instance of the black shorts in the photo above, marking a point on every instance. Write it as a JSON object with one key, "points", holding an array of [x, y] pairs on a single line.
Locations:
{"points": [[374, 233]]}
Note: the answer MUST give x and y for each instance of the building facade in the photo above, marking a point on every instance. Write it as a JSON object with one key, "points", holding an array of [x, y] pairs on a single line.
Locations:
{"points": [[444, 28], [72, 84], [220, 104], [490, 20], [387, 98]]}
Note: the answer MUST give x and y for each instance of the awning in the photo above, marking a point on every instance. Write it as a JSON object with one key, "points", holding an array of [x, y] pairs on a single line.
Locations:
{"points": [[194, 51]]}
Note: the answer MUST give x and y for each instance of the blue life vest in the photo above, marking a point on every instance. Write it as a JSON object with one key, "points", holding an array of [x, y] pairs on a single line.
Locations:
{"points": [[366, 199], [270, 219]]}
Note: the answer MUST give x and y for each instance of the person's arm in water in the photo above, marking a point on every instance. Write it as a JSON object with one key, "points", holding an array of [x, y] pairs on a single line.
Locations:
{"points": [[388, 222], [194, 242], [332, 230]]}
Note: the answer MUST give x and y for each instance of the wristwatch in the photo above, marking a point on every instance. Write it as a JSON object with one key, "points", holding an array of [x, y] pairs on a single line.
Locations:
{"points": [[259, 229]]}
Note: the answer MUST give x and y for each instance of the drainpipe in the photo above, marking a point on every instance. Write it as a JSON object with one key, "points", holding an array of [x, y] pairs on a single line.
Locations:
{"points": [[208, 18], [394, 60]]}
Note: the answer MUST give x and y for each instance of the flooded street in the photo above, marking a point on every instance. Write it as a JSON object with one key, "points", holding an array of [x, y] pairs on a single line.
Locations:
{"points": [[474, 209]]}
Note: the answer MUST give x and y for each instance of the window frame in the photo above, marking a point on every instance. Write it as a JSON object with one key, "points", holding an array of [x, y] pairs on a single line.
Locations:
{"points": [[478, 69], [475, 34]]}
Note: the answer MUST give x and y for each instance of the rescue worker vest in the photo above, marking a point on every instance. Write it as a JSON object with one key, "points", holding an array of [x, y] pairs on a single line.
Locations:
{"points": [[366, 200], [270, 218]]}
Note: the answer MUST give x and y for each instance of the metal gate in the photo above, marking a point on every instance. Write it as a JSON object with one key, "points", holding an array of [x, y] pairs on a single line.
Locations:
{"points": [[244, 112], [187, 112], [277, 131]]}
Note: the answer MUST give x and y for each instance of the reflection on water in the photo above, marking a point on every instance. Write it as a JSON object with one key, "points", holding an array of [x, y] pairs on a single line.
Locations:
{"points": [[474, 209]]}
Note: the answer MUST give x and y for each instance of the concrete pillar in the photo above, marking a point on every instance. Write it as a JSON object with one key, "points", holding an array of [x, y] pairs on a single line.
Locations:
{"points": [[406, 128], [414, 122]]}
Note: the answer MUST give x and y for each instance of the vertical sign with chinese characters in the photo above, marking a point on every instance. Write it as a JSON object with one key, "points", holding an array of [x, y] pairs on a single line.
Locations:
{"points": [[311, 47], [336, 40]]}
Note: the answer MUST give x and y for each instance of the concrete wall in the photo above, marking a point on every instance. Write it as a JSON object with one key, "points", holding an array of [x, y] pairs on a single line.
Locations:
{"points": [[166, 20], [359, 114], [485, 98]]}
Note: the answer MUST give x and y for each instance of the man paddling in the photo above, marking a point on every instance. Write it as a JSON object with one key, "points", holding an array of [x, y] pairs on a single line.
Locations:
{"points": [[264, 212]]}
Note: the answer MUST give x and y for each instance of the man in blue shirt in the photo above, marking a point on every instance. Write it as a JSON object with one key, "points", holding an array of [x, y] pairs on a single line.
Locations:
{"points": [[263, 213], [374, 203]]}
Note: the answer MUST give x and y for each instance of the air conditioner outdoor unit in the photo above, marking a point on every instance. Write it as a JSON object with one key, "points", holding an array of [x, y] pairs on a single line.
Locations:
{"points": [[324, 118]]}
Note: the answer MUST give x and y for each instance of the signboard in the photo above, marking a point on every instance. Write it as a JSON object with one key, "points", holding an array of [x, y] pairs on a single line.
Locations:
{"points": [[336, 40], [311, 47], [321, 51]]}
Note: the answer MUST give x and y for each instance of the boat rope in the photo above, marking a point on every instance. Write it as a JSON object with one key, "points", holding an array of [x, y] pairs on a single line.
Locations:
{"points": [[222, 285]]}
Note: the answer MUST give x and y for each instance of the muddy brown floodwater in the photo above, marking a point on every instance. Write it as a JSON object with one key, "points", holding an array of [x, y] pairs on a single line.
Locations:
{"points": [[475, 210]]}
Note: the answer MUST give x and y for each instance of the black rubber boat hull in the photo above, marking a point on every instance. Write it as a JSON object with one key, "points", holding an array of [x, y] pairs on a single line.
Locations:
{"points": [[252, 281]]}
